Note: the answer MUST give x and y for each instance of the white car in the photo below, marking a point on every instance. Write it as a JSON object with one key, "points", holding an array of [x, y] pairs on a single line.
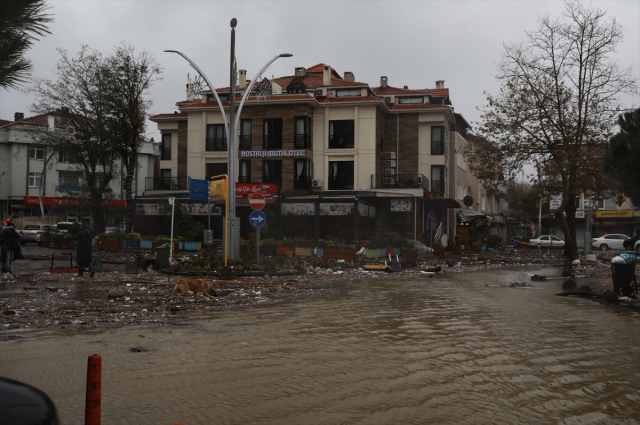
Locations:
{"points": [[613, 241], [547, 241]]}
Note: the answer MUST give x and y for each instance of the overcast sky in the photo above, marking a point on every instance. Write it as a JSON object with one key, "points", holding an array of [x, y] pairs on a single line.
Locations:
{"points": [[413, 43]]}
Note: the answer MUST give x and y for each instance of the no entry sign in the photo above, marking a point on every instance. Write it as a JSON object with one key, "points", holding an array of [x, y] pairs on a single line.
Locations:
{"points": [[257, 201]]}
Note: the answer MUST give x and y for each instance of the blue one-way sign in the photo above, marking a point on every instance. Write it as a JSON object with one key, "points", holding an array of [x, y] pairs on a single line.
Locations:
{"points": [[257, 219]]}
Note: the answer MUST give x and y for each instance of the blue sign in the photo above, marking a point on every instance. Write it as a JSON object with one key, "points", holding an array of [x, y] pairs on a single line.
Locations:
{"points": [[257, 219], [199, 190], [431, 216]]}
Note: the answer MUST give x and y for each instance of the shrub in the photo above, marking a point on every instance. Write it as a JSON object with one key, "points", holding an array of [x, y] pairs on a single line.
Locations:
{"points": [[307, 243], [268, 242], [162, 238], [102, 236], [118, 235], [326, 244], [388, 240], [190, 236], [288, 243], [148, 237], [133, 236]]}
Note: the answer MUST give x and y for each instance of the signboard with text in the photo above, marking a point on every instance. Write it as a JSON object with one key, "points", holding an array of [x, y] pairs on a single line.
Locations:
{"points": [[614, 214]]}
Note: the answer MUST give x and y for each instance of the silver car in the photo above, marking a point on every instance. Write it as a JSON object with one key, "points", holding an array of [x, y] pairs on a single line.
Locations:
{"points": [[34, 233], [613, 241]]}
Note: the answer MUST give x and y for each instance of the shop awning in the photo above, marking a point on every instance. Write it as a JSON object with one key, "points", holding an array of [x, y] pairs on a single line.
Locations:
{"points": [[469, 215], [451, 203]]}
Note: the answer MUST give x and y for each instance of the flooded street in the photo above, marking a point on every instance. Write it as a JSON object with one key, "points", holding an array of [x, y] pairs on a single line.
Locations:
{"points": [[454, 349]]}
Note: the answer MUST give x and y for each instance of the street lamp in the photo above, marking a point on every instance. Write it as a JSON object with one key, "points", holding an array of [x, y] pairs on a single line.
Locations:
{"points": [[233, 224]]}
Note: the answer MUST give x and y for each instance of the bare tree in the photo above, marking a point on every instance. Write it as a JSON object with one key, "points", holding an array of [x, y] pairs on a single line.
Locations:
{"points": [[558, 99]]}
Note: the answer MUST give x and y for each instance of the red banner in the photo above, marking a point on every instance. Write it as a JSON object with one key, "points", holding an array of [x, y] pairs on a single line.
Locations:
{"points": [[268, 189], [71, 202]]}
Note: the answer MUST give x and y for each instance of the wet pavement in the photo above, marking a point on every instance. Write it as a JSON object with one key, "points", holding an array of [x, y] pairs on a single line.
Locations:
{"points": [[458, 348]]}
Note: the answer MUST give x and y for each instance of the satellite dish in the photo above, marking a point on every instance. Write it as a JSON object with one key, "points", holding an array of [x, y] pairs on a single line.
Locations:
{"points": [[468, 200]]}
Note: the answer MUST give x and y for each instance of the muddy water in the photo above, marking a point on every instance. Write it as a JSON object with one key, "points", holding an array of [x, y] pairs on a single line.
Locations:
{"points": [[447, 350]]}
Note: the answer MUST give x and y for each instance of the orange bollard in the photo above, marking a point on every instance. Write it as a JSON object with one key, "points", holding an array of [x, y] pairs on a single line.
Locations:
{"points": [[94, 390]]}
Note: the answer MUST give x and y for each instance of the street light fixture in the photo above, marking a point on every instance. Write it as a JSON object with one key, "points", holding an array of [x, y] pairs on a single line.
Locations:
{"points": [[233, 225]]}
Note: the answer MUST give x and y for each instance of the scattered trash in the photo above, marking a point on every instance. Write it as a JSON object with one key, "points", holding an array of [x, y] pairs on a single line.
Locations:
{"points": [[138, 349]]}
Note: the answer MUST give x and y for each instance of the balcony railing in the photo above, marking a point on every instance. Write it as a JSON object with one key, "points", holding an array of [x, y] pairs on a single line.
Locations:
{"points": [[341, 183], [437, 147], [244, 179], [302, 183], [277, 180], [165, 153], [216, 144], [272, 142], [167, 183], [341, 142], [399, 181], [302, 141], [245, 142], [437, 187]]}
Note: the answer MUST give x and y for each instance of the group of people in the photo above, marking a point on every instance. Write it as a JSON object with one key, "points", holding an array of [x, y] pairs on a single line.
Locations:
{"points": [[10, 245]]}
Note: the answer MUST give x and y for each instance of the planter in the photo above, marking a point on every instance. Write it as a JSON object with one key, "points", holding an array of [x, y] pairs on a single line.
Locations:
{"points": [[46, 240], [284, 250], [268, 250], [339, 254], [63, 243], [475, 247], [389, 251], [374, 252], [409, 254], [456, 249], [305, 252], [397, 251], [132, 243], [319, 252], [109, 244], [438, 250], [145, 244], [190, 246], [198, 246], [176, 247]]}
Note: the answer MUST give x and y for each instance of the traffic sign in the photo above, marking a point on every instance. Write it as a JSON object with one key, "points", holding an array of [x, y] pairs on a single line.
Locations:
{"points": [[257, 201], [257, 219], [431, 216]]}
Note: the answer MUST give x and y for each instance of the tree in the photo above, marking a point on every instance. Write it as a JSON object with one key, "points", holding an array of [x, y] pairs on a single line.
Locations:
{"points": [[524, 201], [557, 102], [130, 76], [622, 155], [20, 22]]}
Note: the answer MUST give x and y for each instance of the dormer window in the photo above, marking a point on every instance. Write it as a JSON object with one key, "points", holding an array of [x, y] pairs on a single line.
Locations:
{"points": [[70, 129], [411, 100], [223, 98], [297, 89], [348, 93]]}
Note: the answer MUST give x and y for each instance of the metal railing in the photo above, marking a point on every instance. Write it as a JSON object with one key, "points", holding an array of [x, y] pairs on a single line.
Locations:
{"points": [[272, 142], [165, 153], [340, 182], [302, 183], [399, 181], [438, 234], [437, 187], [244, 142], [437, 147], [341, 142], [302, 141], [277, 180], [215, 144], [167, 183], [244, 179]]}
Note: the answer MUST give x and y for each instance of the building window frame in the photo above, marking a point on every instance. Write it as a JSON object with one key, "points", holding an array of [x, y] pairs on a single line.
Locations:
{"points": [[216, 140], [272, 172], [302, 174], [342, 134], [272, 133], [210, 172], [245, 134], [411, 100], [438, 179], [437, 140], [244, 171], [302, 132], [165, 146], [341, 175], [36, 152], [34, 179]]}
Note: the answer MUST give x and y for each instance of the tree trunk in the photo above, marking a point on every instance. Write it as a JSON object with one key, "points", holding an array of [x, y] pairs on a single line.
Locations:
{"points": [[568, 226], [97, 213], [131, 165]]}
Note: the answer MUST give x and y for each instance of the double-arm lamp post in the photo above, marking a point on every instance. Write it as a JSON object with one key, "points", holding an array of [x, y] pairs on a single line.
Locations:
{"points": [[233, 223]]}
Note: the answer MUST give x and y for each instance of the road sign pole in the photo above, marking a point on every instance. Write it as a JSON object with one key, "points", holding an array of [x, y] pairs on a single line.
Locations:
{"points": [[258, 245]]}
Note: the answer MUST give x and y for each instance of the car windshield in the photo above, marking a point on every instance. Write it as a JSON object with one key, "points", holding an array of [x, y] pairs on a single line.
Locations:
{"points": [[64, 226], [32, 227]]}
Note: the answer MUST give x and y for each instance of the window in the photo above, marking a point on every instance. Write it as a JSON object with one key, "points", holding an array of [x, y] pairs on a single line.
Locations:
{"points": [[341, 134], [437, 140], [36, 152], [245, 171], [340, 175], [70, 129], [215, 169], [461, 190], [348, 93], [301, 169], [606, 204], [165, 147], [165, 180], [272, 172], [216, 140], [411, 100], [272, 133], [35, 179], [437, 179], [70, 179], [297, 89], [245, 134], [69, 157], [461, 159], [223, 98], [482, 204], [302, 136]]}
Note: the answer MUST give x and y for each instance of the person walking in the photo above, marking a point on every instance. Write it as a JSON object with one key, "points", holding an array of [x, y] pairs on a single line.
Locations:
{"points": [[84, 254], [10, 244]]}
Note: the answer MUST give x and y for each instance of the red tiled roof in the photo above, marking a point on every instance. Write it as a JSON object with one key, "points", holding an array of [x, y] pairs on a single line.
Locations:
{"points": [[350, 99], [405, 107], [41, 119], [4, 122], [397, 90], [319, 69], [167, 116], [249, 99]]}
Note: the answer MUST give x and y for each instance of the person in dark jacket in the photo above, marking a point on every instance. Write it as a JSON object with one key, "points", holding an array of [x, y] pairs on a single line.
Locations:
{"points": [[84, 254], [10, 243]]}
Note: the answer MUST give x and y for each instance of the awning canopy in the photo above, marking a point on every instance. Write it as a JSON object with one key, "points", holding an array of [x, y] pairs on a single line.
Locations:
{"points": [[451, 203], [469, 215]]}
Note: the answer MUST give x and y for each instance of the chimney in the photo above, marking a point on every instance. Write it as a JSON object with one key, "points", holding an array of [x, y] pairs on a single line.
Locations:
{"points": [[51, 120], [301, 72], [326, 75], [440, 84], [242, 85], [189, 91], [348, 76], [18, 116], [383, 82], [406, 87]]}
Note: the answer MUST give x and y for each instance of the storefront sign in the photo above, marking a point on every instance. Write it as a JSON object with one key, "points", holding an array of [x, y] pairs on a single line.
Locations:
{"points": [[299, 209], [271, 154], [336, 209], [555, 202], [191, 209], [71, 202], [267, 189], [401, 205], [366, 210], [615, 214]]}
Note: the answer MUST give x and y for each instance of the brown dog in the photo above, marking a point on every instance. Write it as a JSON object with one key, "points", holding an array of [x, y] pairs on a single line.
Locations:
{"points": [[194, 285]]}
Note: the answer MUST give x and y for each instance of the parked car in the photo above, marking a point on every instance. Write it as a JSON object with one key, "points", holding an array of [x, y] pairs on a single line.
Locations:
{"points": [[62, 228], [547, 241], [34, 233], [113, 229], [613, 241]]}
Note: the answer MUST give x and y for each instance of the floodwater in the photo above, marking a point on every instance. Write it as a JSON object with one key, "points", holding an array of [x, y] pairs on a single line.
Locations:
{"points": [[454, 349]]}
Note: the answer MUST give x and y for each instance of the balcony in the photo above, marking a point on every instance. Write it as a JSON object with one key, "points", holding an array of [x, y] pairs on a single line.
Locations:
{"points": [[399, 181], [341, 183], [165, 153], [167, 183], [341, 142], [437, 187], [245, 142], [272, 142], [302, 141], [216, 145]]}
